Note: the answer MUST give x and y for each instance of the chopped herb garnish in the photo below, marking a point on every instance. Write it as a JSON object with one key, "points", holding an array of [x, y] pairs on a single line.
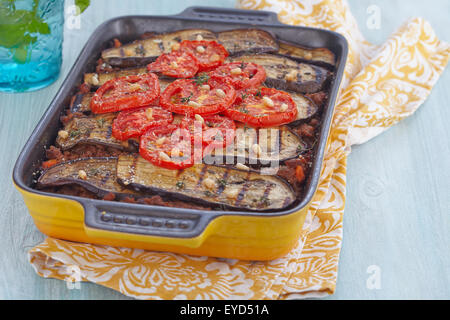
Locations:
{"points": [[74, 133], [180, 185], [140, 50], [202, 78], [265, 201], [101, 122], [222, 182], [258, 93], [208, 193], [242, 66], [243, 110], [299, 148], [93, 172], [244, 96], [186, 99]]}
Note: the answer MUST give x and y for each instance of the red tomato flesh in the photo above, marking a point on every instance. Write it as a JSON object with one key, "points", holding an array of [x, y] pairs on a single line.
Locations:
{"points": [[125, 93], [216, 130], [134, 123], [240, 75], [263, 107], [185, 96], [210, 54], [177, 64], [168, 146]]}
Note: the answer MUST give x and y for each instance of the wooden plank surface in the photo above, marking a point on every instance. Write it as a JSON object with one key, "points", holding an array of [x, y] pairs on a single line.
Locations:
{"points": [[397, 215]]}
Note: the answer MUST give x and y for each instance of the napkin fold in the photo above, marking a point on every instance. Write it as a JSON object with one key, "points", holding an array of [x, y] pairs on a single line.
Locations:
{"points": [[382, 85]]}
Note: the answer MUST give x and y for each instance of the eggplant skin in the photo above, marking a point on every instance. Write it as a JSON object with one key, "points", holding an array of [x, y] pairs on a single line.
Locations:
{"points": [[94, 129], [81, 103], [215, 186], [319, 56], [286, 74], [100, 176]]}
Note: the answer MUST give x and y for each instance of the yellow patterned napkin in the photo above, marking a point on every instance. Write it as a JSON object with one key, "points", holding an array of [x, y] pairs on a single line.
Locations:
{"points": [[382, 85]]}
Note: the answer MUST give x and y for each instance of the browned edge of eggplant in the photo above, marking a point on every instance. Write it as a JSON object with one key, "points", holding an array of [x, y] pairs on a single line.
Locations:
{"points": [[267, 44], [100, 185], [92, 130], [328, 62]]}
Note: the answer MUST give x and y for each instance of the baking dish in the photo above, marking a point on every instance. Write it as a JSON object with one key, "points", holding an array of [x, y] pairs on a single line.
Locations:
{"points": [[228, 234]]}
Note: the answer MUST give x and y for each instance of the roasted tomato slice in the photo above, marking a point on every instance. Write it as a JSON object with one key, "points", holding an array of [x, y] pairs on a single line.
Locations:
{"points": [[189, 97], [209, 54], [240, 75], [134, 123], [167, 146], [263, 107], [216, 130], [125, 93], [177, 64]]}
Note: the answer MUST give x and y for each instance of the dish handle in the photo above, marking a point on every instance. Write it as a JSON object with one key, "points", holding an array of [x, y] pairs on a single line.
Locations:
{"points": [[154, 223], [230, 15]]}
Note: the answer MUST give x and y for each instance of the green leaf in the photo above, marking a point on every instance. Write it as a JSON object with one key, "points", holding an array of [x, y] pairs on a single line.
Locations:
{"points": [[21, 54], [82, 4]]}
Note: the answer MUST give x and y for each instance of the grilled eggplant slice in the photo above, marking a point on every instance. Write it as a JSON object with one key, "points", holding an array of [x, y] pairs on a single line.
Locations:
{"points": [[96, 80], [286, 74], [95, 129], [306, 108], [319, 56], [247, 41], [81, 102], [207, 184], [142, 52], [100, 176], [259, 146]]}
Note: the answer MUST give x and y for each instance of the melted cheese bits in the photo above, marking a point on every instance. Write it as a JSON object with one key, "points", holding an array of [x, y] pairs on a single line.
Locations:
{"points": [[199, 118], [160, 141], [163, 156], [231, 193], [236, 71], [267, 101], [176, 46], [214, 57], [193, 104], [205, 87], [199, 37], [94, 79], [63, 134], [283, 107], [149, 113], [200, 49], [209, 183], [256, 148], [220, 93], [241, 166], [82, 175], [291, 76]]}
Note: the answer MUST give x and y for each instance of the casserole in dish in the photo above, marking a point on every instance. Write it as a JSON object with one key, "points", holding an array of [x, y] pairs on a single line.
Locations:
{"points": [[241, 234]]}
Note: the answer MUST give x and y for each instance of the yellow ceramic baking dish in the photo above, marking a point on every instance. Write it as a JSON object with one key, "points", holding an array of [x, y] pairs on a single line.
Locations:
{"points": [[227, 234]]}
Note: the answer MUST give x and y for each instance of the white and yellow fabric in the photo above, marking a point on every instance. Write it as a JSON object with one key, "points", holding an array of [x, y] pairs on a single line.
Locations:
{"points": [[382, 85]]}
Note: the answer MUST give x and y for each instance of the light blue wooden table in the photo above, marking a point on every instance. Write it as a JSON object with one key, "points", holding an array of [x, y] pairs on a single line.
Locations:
{"points": [[397, 215]]}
